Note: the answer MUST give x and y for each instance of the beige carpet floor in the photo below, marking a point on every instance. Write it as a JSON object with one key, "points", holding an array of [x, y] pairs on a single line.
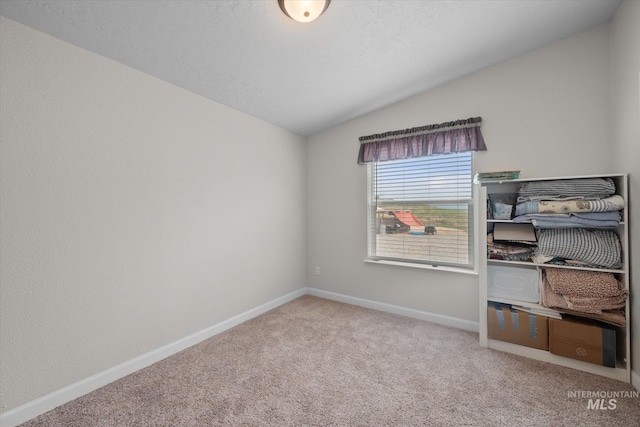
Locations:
{"points": [[315, 362]]}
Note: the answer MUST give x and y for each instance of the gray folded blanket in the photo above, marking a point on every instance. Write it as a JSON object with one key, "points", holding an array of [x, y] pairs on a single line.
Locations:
{"points": [[567, 189], [595, 248], [608, 220]]}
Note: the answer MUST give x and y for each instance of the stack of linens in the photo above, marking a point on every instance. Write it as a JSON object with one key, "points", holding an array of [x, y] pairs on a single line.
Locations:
{"points": [[574, 219], [572, 203], [507, 252], [593, 294]]}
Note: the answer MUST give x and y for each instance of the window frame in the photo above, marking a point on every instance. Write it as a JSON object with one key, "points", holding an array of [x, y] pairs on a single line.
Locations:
{"points": [[472, 214]]}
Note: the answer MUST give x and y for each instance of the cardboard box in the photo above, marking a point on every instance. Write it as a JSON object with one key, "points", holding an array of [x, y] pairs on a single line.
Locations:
{"points": [[583, 340], [518, 327]]}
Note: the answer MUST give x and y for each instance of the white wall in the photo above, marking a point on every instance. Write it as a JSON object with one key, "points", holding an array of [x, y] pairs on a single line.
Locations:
{"points": [[625, 78], [546, 113], [134, 213], [122, 228]]}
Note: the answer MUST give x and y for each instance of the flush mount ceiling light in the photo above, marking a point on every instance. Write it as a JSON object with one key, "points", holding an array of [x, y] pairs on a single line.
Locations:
{"points": [[303, 10]]}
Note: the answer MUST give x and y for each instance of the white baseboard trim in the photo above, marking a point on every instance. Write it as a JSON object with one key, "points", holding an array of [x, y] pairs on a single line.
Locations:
{"points": [[66, 394], [455, 322]]}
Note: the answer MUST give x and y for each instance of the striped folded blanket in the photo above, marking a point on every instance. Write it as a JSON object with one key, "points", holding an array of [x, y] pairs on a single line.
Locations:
{"points": [[593, 247], [567, 189]]}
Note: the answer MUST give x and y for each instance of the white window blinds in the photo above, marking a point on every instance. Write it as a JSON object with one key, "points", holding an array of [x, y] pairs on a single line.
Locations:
{"points": [[420, 210]]}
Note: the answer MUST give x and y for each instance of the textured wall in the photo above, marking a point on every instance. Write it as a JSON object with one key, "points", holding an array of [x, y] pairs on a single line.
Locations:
{"points": [[625, 85], [134, 213], [546, 113]]}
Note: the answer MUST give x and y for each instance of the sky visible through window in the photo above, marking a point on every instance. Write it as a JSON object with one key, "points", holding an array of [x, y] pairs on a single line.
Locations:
{"points": [[435, 178]]}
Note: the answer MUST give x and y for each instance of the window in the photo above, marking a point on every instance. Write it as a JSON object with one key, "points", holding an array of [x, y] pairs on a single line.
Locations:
{"points": [[421, 194], [421, 210]]}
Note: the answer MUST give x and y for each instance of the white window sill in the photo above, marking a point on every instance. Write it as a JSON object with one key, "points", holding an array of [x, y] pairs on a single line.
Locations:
{"points": [[423, 266]]}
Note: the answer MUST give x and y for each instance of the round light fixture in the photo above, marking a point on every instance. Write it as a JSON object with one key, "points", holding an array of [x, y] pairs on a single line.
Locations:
{"points": [[303, 10]]}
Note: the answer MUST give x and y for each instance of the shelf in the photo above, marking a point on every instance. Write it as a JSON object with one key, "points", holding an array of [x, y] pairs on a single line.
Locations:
{"points": [[622, 371], [524, 304], [521, 180], [535, 265], [542, 308]]}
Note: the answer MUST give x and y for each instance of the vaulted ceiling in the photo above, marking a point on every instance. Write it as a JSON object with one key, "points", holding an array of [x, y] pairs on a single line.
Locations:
{"points": [[359, 56]]}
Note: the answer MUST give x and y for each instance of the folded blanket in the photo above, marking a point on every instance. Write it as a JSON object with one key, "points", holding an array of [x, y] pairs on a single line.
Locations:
{"points": [[550, 299], [608, 220], [612, 317], [583, 283], [596, 248], [546, 223], [595, 305], [567, 189], [609, 204]]}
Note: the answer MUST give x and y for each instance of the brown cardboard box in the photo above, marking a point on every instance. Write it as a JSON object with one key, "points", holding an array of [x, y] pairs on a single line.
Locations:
{"points": [[518, 327], [583, 340]]}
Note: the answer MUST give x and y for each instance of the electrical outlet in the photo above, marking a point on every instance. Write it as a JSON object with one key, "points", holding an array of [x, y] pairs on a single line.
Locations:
{"points": [[317, 270]]}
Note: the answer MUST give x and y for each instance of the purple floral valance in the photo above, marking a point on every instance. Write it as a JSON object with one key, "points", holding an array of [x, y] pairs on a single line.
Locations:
{"points": [[449, 137]]}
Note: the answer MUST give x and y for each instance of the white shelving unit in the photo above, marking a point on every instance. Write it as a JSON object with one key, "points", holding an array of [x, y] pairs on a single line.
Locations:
{"points": [[622, 371]]}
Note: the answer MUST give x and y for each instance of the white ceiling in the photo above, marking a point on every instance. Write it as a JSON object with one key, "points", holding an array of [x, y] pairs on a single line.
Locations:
{"points": [[359, 56]]}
